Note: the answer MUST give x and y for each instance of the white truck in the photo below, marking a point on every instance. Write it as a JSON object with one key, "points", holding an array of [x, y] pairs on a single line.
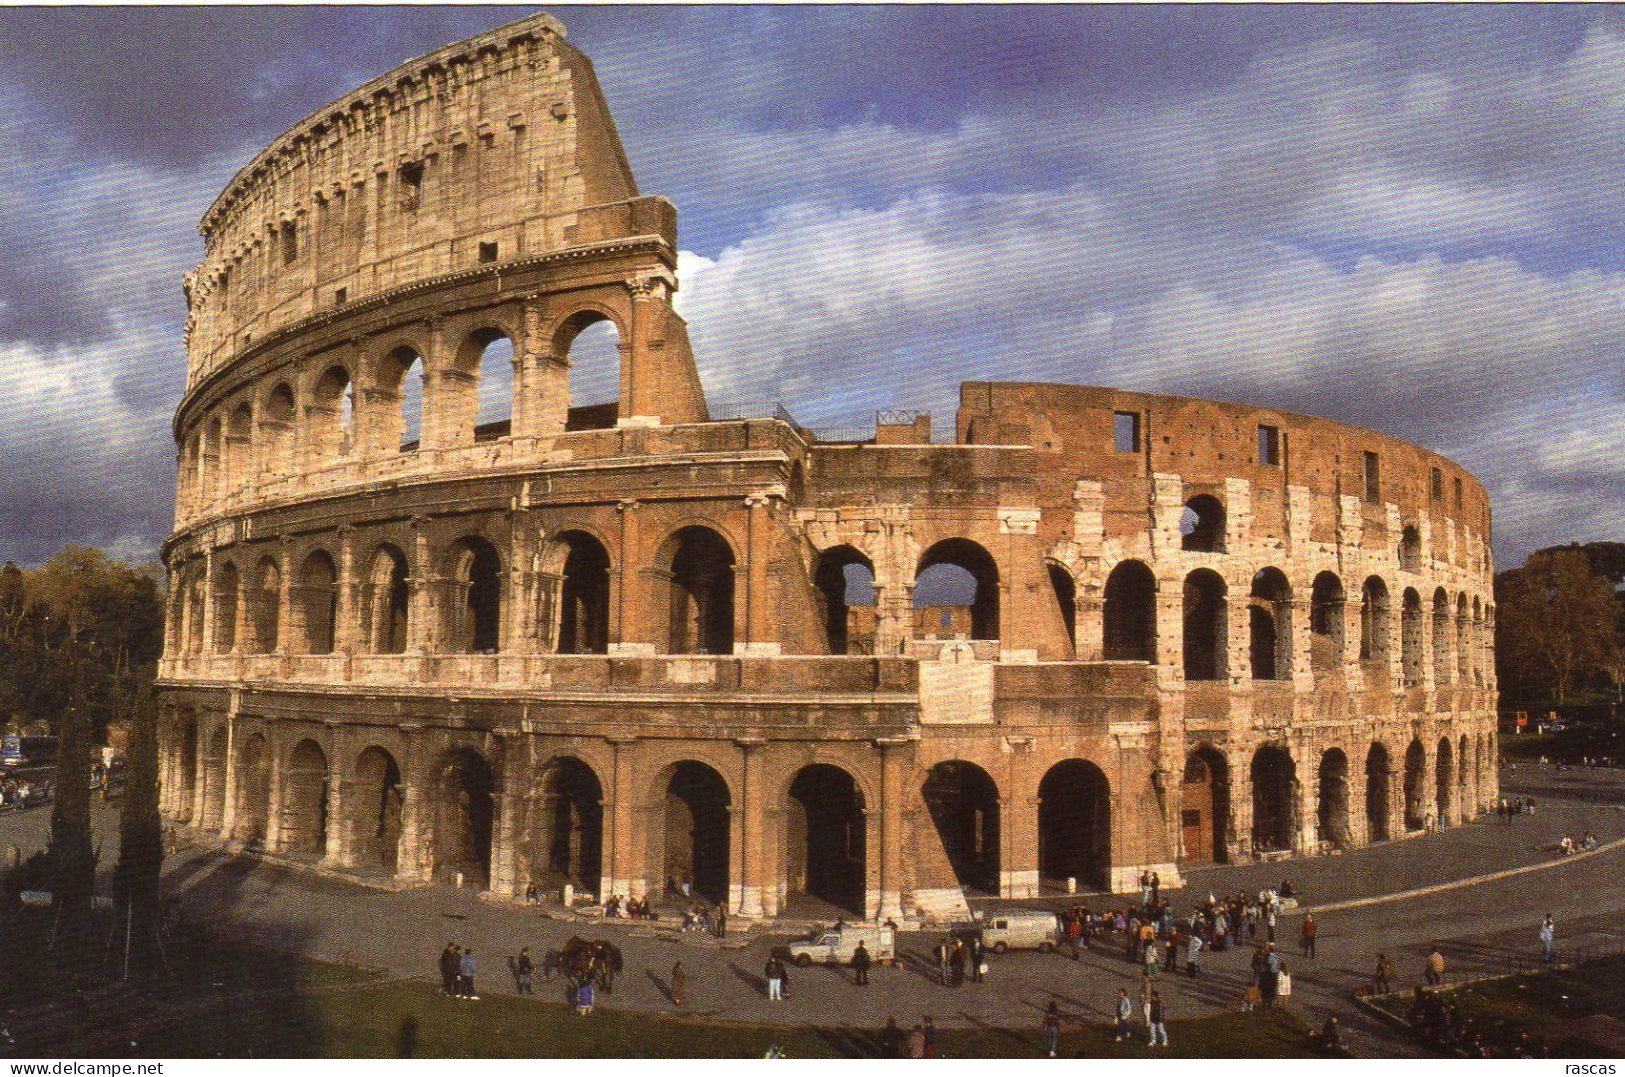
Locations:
{"points": [[1021, 930], [836, 945]]}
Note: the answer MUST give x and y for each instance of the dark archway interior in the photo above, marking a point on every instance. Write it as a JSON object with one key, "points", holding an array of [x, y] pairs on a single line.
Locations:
{"points": [[1411, 638], [482, 604], [1274, 817], [188, 774], [702, 594], [1075, 824], [1201, 525], [964, 806], [304, 795], [1374, 621], [1334, 798], [827, 839], [584, 597], [1131, 614], [390, 601], [1066, 596], [567, 840], [846, 581], [319, 598], [253, 790], [1326, 624], [1415, 780], [1204, 626], [1269, 626], [967, 556], [1376, 793], [1205, 807], [1444, 783], [466, 806], [378, 809], [697, 832]]}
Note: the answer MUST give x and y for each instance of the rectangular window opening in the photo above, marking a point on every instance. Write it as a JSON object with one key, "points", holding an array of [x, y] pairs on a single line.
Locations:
{"points": [[1126, 431], [488, 252], [340, 296], [290, 242], [1269, 445], [1373, 478], [1437, 487], [411, 183], [1458, 493]]}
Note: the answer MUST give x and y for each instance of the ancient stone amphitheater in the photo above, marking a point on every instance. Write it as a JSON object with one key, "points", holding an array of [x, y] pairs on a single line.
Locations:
{"points": [[430, 615]]}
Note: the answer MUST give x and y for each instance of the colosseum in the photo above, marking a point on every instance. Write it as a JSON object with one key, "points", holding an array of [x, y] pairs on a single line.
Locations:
{"points": [[438, 610]]}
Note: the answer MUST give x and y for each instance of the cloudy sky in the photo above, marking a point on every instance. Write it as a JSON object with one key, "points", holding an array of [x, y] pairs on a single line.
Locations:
{"points": [[1411, 218]]}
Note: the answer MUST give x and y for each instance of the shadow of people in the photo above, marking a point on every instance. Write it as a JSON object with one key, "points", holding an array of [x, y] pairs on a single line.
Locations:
{"points": [[406, 1039], [756, 983], [660, 985]]}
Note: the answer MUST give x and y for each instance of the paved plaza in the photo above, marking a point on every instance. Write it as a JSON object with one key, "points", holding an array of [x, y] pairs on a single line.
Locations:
{"points": [[1480, 927]]}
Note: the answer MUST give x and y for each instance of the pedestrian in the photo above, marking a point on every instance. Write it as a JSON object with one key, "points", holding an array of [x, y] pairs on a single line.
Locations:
{"points": [[523, 969], [956, 960], [1434, 972], [1145, 999], [1193, 958], [448, 969], [466, 968], [891, 1038], [1385, 972], [1505, 811], [1052, 1028], [930, 1037], [1269, 920], [1159, 1030], [1251, 998], [1125, 1010], [584, 999], [1331, 1036], [776, 979], [1151, 966], [1145, 889], [1156, 886], [679, 984], [860, 964], [941, 953], [1283, 984], [722, 921], [1311, 930], [978, 959], [1548, 938], [916, 1041]]}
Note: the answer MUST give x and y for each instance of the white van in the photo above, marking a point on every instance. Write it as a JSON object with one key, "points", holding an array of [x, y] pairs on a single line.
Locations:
{"points": [[836, 946], [1022, 930]]}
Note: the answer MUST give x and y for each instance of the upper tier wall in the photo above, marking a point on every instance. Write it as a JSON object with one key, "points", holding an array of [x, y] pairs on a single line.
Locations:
{"points": [[481, 151]]}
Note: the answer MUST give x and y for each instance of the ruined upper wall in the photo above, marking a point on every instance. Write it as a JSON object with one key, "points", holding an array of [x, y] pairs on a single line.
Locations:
{"points": [[482, 151]]}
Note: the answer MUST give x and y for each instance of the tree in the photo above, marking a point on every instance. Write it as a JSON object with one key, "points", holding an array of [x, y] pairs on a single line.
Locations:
{"points": [[73, 860], [141, 844], [1555, 616]]}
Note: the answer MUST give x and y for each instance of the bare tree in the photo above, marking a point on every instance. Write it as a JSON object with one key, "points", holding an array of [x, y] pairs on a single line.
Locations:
{"points": [[1555, 616]]}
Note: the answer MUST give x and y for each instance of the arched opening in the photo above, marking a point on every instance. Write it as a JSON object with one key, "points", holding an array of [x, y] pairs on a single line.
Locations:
{"points": [[215, 762], [1333, 798], [304, 801], [265, 605], [186, 783], [195, 599], [583, 596], [1206, 627], [1442, 663], [845, 578], [1269, 616], [1410, 550], [1326, 625], [1416, 762], [214, 439], [964, 805], [239, 462], [465, 805], [1075, 824], [956, 592], [1465, 637], [1130, 614], [379, 792], [227, 587], [1275, 818], [475, 609], [702, 593], [277, 426], [1481, 656], [493, 416], [1066, 597], [253, 790], [1201, 525], [566, 839], [402, 376], [696, 831], [1204, 814], [1444, 784], [591, 347], [388, 602], [826, 841], [318, 599], [1374, 621], [1464, 793], [333, 415], [1410, 638], [1376, 792]]}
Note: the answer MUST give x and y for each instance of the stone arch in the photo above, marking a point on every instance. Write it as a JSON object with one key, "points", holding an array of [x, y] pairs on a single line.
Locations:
{"points": [[277, 429], [332, 414], [316, 603], [375, 808], [845, 578], [186, 769], [1482, 650], [239, 457], [1204, 821], [1410, 638], [1465, 637], [227, 594], [1410, 549], [693, 842], [253, 789], [195, 598], [1416, 807], [464, 807], [1207, 629], [1065, 590], [1465, 807], [583, 594], [388, 601], [304, 800], [1374, 624], [1274, 781], [1442, 651], [589, 345], [401, 374], [564, 840], [1444, 783], [490, 358], [1377, 768], [826, 836], [1326, 623], [950, 567], [1332, 800], [1130, 613], [265, 608], [699, 564], [214, 439], [1075, 824], [473, 611], [1202, 525], [963, 802], [1269, 626]]}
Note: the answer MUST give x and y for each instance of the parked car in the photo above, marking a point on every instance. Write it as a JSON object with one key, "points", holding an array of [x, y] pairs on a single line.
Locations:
{"points": [[1021, 930], [836, 945]]}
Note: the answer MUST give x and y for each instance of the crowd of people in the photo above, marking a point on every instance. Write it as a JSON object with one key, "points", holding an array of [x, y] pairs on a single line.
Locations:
{"points": [[1439, 1023]]}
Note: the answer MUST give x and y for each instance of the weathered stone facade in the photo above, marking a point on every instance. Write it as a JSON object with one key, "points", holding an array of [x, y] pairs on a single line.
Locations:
{"points": [[620, 645]]}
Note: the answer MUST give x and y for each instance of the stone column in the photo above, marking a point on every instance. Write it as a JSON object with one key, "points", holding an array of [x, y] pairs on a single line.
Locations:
{"points": [[1238, 631], [1303, 673], [1170, 613], [208, 603], [274, 806], [228, 810], [753, 877], [892, 758], [346, 615], [623, 802], [632, 636], [1089, 638], [759, 633], [420, 631], [417, 826], [509, 799], [1353, 615], [284, 598], [340, 836]]}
